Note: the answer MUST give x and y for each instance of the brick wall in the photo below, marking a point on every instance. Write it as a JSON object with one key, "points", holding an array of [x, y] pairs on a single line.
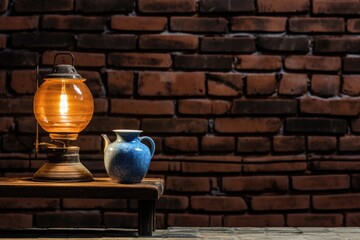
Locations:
{"points": [[253, 104]]}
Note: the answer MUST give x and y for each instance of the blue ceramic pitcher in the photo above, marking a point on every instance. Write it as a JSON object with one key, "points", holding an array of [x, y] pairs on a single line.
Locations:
{"points": [[127, 160]]}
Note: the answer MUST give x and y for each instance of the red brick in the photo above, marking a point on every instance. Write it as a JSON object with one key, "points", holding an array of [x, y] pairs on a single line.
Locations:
{"points": [[316, 25], [15, 220], [4, 5], [349, 143], [43, 40], [29, 203], [278, 6], [196, 167], [353, 25], [276, 203], [23, 81], [169, 202], [218, 204], [336, 202], [73, 203], [18, 23], [181, 144], [73, 219], [283, 44], [120, 83], [314, 220], [94, 83], [18, 58], [15, 164], [27, 125], [142, 107], [171, 84], [101, 105], [320, 182], [313, 63], [198, 24], [41, 6], [351, 85], [352, 219], [203, 62], [258, 24], [336, 45], [255, 184], [228, 45], [138, 23], [269, 159], [203, 107], [315, 125], [81, 59], [293, 84], [140, 60], [340, 107], [74, 22], [355, 125], [120, 220], [188, 220], [6, 124], [175, 125], [157, 166], [189, 184], [3, 40], [321, 143], [336, 7], [217, 144], [261, 84], [166, 6], [248, 125], [108, 41], [269, 106], [168, 42], [289, 144], [220, 6], [258, 62], [3, 82], [268, 220], [275, 167], [16, 105], [90, 6], [325, 85], [253, 144], [335, 163], [106, 124], [225, 84]]}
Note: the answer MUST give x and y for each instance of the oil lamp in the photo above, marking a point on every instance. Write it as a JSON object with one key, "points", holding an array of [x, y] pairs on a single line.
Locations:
{"points": [[63, 106]]}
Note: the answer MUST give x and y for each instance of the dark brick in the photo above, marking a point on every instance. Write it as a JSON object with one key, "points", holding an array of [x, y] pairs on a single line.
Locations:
{"points": [[4, 5], [215, 6], [349, 144], [218, 204], [315, 125], [351, 85], [270, 106], [188, 184], [228, 45], [314, 220], [104, 6], [138, 23], [109, 41], [336, 7], [81, 59], [322, 143], [247, 220], [258, 62], [336, 201], [44, 6], [258, 24], [203, 62], [278, 6], [168, 42], [94, 83], [175, 125], [18, 23], [351, 64], [337, 45], [15, 221], [196, 24], [217, 144], [141, 60], [325, 85], [353, 25], [321, 182], [6, 123], [203, 107], [255, 183], [43, 40], [283, 44], [253, 144], [3, 41], [316, 25], [313, 63], [181, 145], [120, 83], [106, 124], [142, 107], [169, 202], [68, 219], [288, 144], [165, 6], [276, 203], [247, 125], [23, 81], [18, 58], [73, 23]]}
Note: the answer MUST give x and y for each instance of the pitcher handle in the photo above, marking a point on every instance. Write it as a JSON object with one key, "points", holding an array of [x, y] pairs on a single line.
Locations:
{"points": [[152, 144]]}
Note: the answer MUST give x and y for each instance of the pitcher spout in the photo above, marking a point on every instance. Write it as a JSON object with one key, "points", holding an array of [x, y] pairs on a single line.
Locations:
{"points": [[106, 140]]}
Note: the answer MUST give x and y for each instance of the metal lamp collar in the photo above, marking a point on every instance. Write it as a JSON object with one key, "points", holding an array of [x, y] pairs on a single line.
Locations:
{"points": [[64, 70]]}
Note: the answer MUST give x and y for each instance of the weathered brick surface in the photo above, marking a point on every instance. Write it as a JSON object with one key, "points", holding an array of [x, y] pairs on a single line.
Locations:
{"points": [[204, 24], [293, 84], [23, 81], [41, 6], [16, 220], [336, 202], [258, 24], [315, 125], [203, 62], [342, 107], [228, 45], [114, 41], [268, 220], [181, 144], [253, 144], [255, 184], [216, 6], [336, 45], [267, 203], [351, 64], [139, 23], [18, 23], [258, 62], [316, 25], [43, 40], [326, 85], [218, 204], [224, 84], [141, 107], [18, 58], [68, 219], [260, 84], [313, 63], [73, 23], [284, 44], [4, 5], [81, 59], [321, 182], [168, 42], [247, 125], [314, 220], [271, 106], [289, 144], [89, 6], [278, 6], [336, 7], [203, 107], [217, 144], [120, 83], [164, 6], [321, 143]]}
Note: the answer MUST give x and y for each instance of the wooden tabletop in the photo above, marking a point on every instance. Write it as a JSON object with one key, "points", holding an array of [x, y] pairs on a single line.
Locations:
{"points": [[148, 189]]}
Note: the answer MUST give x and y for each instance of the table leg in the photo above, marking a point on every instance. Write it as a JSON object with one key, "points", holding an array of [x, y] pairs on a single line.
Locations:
{"points": [[146, 217]]}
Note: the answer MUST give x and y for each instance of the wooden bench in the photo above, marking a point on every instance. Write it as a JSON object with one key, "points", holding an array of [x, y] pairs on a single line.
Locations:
{"points": [[146, 192]]}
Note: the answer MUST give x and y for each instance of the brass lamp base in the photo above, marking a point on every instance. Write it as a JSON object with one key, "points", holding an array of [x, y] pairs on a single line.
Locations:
{"points": [[63, 165]]}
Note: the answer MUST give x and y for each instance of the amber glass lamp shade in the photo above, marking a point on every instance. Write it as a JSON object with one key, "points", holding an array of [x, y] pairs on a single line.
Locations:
{"points": [[63, 107]]}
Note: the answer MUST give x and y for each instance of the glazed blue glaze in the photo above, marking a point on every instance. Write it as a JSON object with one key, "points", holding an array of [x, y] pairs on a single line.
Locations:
{"points": [[127, 160]]}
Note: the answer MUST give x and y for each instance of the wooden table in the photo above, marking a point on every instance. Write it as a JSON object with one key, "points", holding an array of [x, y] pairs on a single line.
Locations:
{"points": [[146, 192]]}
